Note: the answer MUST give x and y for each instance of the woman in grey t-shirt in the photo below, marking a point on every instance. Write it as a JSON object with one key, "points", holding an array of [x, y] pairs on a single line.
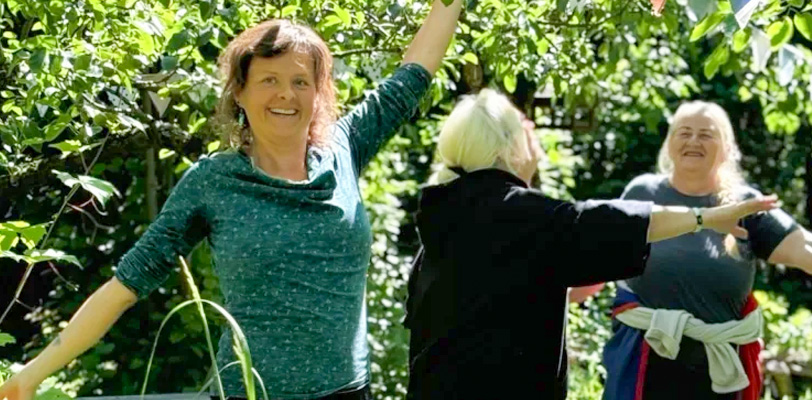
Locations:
{"points": [[706, 274]]}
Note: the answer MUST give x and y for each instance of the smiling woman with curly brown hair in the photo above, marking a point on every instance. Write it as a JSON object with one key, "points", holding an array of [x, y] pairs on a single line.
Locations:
{"points": [[282, 212]]}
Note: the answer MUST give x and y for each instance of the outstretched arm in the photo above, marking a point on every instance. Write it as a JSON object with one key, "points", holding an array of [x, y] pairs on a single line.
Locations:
{"points": [[429, 45], [86, 328]]}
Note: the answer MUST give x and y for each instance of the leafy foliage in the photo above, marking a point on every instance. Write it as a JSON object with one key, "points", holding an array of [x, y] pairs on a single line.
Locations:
{"points": [[115, 97]]}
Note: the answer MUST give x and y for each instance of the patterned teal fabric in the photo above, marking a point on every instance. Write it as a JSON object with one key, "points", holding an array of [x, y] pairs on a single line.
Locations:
{"points": [[291, 256]]}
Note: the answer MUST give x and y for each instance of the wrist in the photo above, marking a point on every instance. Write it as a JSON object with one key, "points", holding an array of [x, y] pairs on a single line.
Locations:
{"points": [[699, 215], [28, 377]]}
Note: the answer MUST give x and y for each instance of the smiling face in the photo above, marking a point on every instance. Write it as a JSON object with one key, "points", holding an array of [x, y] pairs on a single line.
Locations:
{"points": [[696, 145], [279, 96]]}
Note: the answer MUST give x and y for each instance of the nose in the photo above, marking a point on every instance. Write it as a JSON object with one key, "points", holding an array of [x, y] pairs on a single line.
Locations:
{"points": [[286, 93]]}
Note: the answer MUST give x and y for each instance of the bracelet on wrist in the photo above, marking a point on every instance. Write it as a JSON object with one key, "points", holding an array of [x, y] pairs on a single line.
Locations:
{"points": [[699, 222]]}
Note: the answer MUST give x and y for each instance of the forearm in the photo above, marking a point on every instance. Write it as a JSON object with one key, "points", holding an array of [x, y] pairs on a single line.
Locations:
{"points": [[90, 323], [670, 221], [429, 45]]}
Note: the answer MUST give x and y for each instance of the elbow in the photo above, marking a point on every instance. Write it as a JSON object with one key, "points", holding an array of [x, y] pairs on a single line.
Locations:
{"points": [[120, 294]]}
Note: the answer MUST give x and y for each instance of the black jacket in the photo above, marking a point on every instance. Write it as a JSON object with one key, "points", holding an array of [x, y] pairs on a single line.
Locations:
{"points": [[487, 295]]}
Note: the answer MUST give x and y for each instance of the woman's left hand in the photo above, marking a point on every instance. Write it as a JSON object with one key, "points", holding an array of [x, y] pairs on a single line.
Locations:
{"points": [[725, 219]]}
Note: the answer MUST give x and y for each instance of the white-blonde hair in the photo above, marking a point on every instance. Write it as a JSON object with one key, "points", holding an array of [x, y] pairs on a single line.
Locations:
{"points": [[729, 179], [483, 131]]}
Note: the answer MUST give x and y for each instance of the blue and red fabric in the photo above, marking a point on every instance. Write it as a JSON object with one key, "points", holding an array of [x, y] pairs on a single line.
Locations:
{"points": [[626, 354]]}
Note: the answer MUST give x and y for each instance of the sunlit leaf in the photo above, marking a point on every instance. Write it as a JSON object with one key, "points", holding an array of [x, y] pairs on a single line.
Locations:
{"points": [[803, 22], [165, 153], [510, 82], [67, 146], [37, 256], [780, 32], [32, 235], [100, 189], [740, 40], [5, 339], [710, 22]]}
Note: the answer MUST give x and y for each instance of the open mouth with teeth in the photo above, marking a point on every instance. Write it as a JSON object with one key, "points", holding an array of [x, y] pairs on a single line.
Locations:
{"points": [[693, 154], [283, 111]]}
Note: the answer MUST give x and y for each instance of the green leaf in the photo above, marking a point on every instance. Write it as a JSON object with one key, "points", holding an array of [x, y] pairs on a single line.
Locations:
{"points": [[11, 255], [37, 60], [745, 94], [100, 189], [178, 41], [290, 10], [206, 9], [471, 58], [213, 146], [804, 24], [38, 256], [32, 235], [780, 32], [710, 22], [195, 125], [55, 128], [15, 225], [5, 339], [561, 5], [740, 40], [510, 82], [719, 56], [67, 146], [331, 20], [165, 153], [8, 239], [344, 15], [183, 165], [130, 122], [169, 63], [146, 42], [82, 62]]}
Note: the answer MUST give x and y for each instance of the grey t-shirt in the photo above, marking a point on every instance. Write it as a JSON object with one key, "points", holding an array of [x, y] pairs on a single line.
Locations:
{"points": [[693, 272]]}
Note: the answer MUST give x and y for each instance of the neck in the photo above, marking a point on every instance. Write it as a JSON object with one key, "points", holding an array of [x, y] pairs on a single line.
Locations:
{"points": [[693, 183], [284, 159]]}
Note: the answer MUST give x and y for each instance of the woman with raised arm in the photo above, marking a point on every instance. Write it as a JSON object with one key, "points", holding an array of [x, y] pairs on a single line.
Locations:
{"points": [[676, 325], [282, 212], [487, 296]]}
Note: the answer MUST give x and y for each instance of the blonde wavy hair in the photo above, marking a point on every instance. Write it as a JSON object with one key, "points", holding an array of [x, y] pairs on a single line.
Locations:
{"points": [[483, 131], [729, 179]]}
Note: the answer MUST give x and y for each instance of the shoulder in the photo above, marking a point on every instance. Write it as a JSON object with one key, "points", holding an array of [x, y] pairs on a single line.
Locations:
{"points": [[203, 171], [221, 161], [644, 185]]}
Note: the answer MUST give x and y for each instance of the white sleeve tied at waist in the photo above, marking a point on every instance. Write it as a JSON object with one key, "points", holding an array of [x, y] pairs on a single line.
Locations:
{"points": [[665, 328]]}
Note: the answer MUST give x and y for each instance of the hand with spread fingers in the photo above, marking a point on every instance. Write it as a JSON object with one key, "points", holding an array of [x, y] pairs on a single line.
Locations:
{"points": [[725, 219]]}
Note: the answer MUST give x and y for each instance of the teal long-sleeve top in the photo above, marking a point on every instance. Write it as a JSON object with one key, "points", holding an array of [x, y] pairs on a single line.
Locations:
{"points": [[291, 257]]}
